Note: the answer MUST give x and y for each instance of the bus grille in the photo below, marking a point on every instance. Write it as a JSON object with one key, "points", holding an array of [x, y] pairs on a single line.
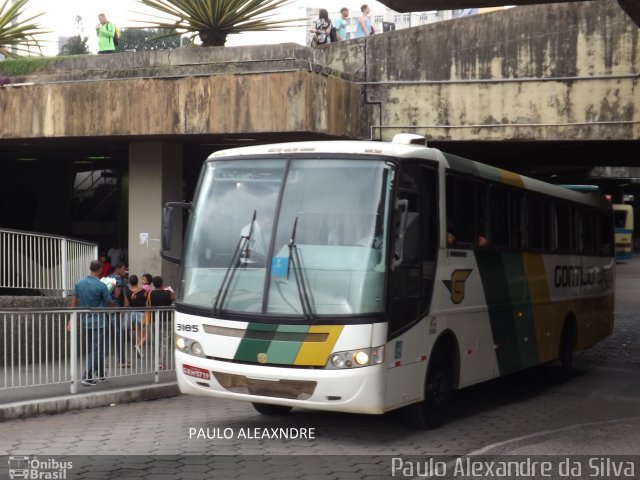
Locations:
{"points": [[291, 389]]}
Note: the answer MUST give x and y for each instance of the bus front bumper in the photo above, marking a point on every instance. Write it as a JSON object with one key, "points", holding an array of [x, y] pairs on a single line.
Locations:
{"points": [[354, 390]]}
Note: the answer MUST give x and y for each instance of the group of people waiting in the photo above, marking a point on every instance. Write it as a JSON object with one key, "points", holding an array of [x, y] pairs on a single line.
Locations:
{"points": [[118, 289], [325, 31]]}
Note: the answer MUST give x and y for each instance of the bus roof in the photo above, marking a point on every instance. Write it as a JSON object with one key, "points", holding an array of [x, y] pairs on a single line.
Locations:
{"points": [[404, 151]]}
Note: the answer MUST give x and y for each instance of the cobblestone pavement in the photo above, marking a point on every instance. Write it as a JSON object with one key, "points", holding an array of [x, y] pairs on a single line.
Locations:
{"points": [[605, 391]]}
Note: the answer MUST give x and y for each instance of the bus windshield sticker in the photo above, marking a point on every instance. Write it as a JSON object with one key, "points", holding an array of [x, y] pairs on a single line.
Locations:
{"points": [[279, 266]]}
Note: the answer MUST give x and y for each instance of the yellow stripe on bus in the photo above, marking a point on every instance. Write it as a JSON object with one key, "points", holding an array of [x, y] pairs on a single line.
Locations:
{"points": [[545, 315], [317, 353], [511, 178]]}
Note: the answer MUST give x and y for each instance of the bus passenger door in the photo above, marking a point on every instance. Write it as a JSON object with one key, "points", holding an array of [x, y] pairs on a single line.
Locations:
{"points": [[411, 283]]}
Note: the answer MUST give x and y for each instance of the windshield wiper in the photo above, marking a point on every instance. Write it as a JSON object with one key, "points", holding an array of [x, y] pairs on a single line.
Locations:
{"points": [[307, 311], [241, 247]]}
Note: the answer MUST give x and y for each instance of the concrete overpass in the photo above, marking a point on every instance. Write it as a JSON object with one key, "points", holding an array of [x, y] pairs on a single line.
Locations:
{"points": [[542, 89]]}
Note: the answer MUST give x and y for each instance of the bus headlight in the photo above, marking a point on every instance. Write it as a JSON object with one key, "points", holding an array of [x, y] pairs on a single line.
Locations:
{"points": [[196, 349], [187, 345], [361, 358], [337, 360], [356, 358]]}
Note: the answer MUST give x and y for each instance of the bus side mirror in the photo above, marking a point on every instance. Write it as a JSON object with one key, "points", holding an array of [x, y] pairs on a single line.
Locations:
{"points": [[167, 229]]}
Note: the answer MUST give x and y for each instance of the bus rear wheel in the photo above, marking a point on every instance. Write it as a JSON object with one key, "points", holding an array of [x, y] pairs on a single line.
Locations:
{"points": [[564, 367], [433, 411], [266, 409]]}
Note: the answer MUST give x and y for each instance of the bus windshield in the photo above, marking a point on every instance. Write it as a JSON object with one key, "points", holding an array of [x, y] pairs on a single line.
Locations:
{"points": [[242, 227]]}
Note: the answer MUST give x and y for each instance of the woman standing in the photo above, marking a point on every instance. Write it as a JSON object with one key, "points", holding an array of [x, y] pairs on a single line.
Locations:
{"points": [[364, 27], [322, 28], [137, 297], [162, 296]]}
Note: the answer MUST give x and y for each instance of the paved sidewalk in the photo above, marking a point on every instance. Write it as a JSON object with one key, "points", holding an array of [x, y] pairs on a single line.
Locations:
{"points": [[110, 394], [596, 413]]}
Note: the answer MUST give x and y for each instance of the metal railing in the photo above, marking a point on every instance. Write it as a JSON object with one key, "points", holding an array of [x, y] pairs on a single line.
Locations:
{"points": [[83, 346], [35, 261]]}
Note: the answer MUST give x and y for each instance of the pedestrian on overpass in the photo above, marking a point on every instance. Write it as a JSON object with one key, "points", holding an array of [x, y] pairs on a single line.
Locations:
{"points": [[90, 292], [105, 31]]}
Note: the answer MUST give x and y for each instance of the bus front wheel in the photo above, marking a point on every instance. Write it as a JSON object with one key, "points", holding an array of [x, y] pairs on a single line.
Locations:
{"points": [[432, 412], [266, 409]]}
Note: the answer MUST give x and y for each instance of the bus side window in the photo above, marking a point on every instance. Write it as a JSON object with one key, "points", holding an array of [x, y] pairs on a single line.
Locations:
{"points": [[588, 233], [563, 227], [506, 218], [499, 217], [538, 224], [606, 234], [466, 213]]}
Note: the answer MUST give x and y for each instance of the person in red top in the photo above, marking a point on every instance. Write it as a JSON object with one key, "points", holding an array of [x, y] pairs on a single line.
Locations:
{"points": [[106, 266]]}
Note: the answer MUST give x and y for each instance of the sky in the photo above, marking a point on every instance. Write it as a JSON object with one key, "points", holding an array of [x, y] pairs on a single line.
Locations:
{"points": [[60, 17]]}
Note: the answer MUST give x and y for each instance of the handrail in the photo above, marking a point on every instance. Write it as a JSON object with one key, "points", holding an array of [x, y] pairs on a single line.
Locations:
{"points": [[48, 263], [80, 347], [46, 235]]}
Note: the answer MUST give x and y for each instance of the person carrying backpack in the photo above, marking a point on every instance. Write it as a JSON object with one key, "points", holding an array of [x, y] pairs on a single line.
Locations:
{"points": [[107, 35]]}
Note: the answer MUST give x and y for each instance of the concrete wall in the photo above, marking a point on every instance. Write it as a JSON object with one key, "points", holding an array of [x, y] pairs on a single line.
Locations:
{"points": [[155, 170], [566, 71], [254, 103], [632, 7], [247, 90], [546, 72]]}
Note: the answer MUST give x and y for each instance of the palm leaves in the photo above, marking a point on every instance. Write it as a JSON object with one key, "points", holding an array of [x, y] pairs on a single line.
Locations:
{"points": [[17, 36], [213, 20]]}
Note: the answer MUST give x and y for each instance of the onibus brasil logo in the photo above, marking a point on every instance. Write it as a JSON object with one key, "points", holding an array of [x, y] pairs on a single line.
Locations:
{"points": [[33, 468]]}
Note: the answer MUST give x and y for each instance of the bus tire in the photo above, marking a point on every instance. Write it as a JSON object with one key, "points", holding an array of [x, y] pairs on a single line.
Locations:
{"points": [[432, 412], [563, 369], [267, 409]]}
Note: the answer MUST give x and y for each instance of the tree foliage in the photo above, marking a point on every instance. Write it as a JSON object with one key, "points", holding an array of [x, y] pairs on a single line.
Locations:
{"points": [[143, 39], [214, 20], [18, 35], [76, 45]]}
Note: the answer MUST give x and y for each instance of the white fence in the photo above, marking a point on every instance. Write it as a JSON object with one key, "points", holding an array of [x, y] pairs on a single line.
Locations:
{"points": [[47, 263], [83, 346]]}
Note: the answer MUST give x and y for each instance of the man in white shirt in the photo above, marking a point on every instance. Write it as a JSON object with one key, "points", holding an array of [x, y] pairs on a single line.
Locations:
{"points": [[116, 254]]}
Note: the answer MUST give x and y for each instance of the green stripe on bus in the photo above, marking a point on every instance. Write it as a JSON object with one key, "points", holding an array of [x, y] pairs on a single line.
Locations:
{"points": [[284, 352], [489, 172], [501, 315], [249, 348], [521, 302], [461, 164]]}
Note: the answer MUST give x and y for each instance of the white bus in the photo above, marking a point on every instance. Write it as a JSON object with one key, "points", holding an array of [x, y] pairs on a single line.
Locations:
{"points": [[364, 277], [623, 215]]}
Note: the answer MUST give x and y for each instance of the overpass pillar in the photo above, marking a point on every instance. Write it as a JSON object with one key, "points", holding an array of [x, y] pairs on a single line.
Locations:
{"points": [[155, 177]]}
